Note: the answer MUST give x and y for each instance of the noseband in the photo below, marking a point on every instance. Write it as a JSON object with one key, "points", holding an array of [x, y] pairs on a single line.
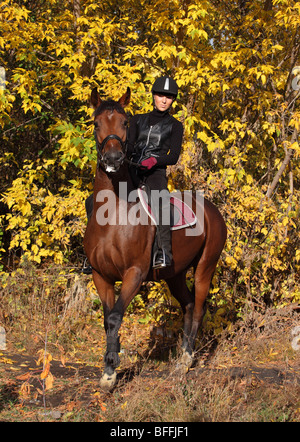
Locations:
{"points": [[100, 146]]}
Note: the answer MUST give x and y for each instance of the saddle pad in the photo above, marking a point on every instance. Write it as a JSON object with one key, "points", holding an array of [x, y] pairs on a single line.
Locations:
{"points": [[183, 215]]}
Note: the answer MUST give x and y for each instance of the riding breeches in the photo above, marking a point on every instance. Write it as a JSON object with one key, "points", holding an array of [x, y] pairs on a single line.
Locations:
{"points": [[157, 183]]}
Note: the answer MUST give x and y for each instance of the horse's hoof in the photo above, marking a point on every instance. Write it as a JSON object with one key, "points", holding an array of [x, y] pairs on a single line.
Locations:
{"points": [[184, 363], [108, 381]]}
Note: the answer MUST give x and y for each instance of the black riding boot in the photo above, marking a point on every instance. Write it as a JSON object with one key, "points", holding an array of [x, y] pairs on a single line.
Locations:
{"points": [[162, 256]]}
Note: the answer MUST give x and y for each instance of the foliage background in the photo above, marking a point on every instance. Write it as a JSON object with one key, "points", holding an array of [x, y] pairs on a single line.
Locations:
{"points": [[236, 66]]}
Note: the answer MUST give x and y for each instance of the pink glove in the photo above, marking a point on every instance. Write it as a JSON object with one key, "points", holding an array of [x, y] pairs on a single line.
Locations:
{"points": [[149, 163]]}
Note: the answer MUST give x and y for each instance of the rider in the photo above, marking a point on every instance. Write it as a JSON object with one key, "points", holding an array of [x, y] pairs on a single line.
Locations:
{"points": [[154, 141]]}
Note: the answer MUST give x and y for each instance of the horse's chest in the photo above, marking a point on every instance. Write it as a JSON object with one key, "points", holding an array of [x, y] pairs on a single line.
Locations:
{"points": [[108, 256]]}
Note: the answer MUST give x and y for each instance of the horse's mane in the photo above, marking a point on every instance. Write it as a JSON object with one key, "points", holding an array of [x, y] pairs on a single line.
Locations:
{"points": [[111, 106]]}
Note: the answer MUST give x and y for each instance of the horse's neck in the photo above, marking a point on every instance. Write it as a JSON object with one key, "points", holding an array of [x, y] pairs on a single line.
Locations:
{"points": [[117, 182]]}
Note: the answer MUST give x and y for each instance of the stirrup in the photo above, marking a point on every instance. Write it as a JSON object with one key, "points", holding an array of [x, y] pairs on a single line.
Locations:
{"points": [[87, 268], [160, 259]]}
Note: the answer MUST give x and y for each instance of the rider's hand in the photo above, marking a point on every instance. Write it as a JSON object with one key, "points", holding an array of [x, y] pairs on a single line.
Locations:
{"points": [[149, 163]]}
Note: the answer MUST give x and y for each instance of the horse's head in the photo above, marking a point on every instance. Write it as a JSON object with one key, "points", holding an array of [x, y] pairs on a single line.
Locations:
{"points": [[110, 122]]}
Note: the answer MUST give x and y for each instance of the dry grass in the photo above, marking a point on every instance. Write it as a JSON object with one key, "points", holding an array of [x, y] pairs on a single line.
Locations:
{"points": [[252, 374]]}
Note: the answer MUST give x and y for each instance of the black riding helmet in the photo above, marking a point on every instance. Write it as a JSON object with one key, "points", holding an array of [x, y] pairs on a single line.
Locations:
{"points": [[165, 85]]}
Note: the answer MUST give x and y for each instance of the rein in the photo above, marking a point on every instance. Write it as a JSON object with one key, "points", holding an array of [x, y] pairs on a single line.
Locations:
{"points": [[132, 163]]}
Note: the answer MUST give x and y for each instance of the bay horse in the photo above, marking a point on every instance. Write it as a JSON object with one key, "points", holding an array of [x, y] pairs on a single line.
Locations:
{"points": [[122, 252]]}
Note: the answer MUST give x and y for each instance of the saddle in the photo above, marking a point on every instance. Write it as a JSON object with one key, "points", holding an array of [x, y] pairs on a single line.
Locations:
{"points": [[181, 215]]}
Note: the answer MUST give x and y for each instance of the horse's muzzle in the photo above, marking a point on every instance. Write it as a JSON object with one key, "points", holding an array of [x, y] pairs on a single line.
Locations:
{"points": [[113, 160]]}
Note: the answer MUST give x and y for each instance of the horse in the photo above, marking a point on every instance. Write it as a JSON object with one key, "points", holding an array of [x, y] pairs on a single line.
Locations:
{"points": [[120, 251]]}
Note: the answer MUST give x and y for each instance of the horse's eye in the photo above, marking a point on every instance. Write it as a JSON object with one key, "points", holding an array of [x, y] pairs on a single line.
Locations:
{"points": [[126, 123]]}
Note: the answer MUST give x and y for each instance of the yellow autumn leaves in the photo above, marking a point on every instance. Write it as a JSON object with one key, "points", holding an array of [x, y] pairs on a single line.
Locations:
{"points": [[45, 358], [235, 69], [46, 378]]}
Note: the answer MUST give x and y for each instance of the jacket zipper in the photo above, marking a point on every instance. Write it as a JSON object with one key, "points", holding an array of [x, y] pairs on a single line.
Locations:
{"points": [[147, 143]]}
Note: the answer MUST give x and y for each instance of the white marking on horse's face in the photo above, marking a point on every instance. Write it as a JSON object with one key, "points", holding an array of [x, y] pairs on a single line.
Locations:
{"points": [[110, 169]]}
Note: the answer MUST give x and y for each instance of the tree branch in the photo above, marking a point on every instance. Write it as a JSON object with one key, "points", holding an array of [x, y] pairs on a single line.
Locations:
{"points": [[288, 155]]}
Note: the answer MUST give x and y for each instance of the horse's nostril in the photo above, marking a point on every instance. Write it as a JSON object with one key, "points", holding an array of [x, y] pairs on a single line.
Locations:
{"points": [[119, 155], [113, 156], [112, 160]]}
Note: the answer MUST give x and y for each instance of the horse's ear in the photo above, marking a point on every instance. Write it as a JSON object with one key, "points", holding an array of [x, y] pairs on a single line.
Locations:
{"points": [[125, 99], [95, 98]]}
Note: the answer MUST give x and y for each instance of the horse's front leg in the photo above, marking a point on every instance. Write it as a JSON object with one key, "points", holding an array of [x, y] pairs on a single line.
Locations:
{"points": [[107, 295], [132, 281]]}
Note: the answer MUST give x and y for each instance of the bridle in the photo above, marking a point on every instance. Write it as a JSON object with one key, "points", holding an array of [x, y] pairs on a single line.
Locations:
{"points": [[100, 147]]}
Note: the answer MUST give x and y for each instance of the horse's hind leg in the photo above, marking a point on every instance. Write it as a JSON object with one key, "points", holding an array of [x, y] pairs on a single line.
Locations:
{"points": [[180, 291], [203, 276]]}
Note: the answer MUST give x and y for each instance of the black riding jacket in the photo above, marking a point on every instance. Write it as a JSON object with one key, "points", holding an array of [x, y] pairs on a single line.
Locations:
{"points": [[155, 134]]}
